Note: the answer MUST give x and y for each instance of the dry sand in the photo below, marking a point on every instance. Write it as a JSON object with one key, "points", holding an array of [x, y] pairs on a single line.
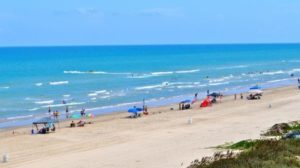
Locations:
{"points": [[162, 139]]}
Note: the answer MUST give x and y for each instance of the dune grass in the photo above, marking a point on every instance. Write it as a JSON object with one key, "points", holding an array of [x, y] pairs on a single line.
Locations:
{"points": [[282, 128], [242, 145], [258, 154]]}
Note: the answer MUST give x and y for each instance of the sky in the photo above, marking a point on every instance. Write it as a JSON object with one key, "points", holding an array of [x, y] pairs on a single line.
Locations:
{"points": [[139, 22]]}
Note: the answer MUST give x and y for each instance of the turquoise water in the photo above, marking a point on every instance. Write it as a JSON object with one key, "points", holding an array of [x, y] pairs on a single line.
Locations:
{"points": [[104, 79]]}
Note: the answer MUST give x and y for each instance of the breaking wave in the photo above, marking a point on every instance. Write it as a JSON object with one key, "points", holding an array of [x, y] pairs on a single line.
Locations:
{"points": [[59, 83]]}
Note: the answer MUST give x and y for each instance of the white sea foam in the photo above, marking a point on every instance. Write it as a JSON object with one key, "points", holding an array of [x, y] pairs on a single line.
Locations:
{"points": [[39, 84], [19, 117], [225, 78], [85, 72], [294, 70], [104, 97], [185, 86], [162, 73], [33, 109], [187, 71], [233, 67], [67, 104], [66, 95], [278, 80], [92, 94], [114, 106], [45, 102], [59, 83], [148, 87], [4, 87], [220, 83], [97, 72], [273, 72], [99, 92]]}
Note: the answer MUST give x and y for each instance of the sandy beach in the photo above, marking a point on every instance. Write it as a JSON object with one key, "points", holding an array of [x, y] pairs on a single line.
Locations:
{"points": [[162, 139]]}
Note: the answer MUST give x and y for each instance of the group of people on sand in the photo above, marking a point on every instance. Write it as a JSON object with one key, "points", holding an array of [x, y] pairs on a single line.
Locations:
{"points": [[80, 123], [55, 113]]}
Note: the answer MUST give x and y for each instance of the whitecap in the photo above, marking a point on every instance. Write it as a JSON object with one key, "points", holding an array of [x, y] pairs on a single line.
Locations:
{"points": [[221, 79], [33, 109], [4, 87], [185, 86], [233, 67], [101, 91], [273, 72], [45, 102], [162, 73], [38, 84], [92, 94], [96, 72], [187, 71], [148, 87], [278, 80], [217, 84], [67, 104], [59, 83], [19, 117]]}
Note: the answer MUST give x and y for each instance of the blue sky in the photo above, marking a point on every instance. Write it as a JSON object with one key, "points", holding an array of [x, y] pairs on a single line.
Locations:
{"points": [[110, 22]]}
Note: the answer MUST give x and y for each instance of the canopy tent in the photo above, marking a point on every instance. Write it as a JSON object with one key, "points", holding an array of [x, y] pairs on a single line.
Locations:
{"points": [[135, 111], [205, 103], [185, 104], [256, 91], [45, 120], [48, 123], [255, 88], [186, 101], [214, 94]]}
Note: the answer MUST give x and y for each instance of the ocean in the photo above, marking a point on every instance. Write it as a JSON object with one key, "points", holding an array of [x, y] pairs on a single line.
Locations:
{"points": [[105, 79]]}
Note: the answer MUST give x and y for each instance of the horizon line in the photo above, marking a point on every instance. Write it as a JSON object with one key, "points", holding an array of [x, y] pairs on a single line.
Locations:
{"points": [[158, 44]]}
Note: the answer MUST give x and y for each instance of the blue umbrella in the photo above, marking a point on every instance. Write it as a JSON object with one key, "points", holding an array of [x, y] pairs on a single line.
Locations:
{"points": [[139, 109], [186, 101], [255, 87], [133, 110]]}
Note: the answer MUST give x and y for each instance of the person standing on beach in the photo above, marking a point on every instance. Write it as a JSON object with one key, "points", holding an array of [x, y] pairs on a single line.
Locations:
{"points": [[234, 96], [242, 96], [49, 110], [67, 112], [82, 112], [298, 80], [207, 92]]}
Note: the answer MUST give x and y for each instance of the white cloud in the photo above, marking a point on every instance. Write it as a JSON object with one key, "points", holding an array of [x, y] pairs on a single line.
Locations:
{"points": [[88, 11], [167, 12]]}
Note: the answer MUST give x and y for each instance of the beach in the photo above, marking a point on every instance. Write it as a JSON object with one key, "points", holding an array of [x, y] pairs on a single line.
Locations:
{"points": [[164, 138]]}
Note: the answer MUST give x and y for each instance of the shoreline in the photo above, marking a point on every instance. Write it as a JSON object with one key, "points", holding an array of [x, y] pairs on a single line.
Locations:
{"points": [[101, 111], [165, 137]]}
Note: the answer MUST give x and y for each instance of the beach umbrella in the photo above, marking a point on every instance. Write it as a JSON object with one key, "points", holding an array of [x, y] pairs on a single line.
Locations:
{"points": [[90, 115], [255, 87], [139, 109], [76, 116], [186, 101], [133, 110], [215, 94]]}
